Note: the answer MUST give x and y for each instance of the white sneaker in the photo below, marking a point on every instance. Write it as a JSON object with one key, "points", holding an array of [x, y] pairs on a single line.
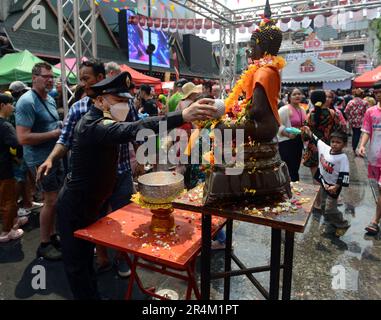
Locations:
{"points": [[22, 212], [36, 205]]}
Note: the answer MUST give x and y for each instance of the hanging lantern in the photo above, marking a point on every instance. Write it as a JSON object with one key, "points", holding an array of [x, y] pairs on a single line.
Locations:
{"points": [[133, 20], [216, 26], [180, 24], [173, 23], [285, 20], [142, 21], [241, 28], [306, 22], [298, 19], [190, 24], [198, 24], [283, 27], [319, 21], [157, 23], [248, 24], [208, 24], [327, 14], [164, 23], [149, 22]]}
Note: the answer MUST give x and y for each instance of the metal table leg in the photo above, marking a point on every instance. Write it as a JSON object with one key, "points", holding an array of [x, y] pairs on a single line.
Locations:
{"points": [[275, 263], [228, 257], [288, 261], [206, 233]]}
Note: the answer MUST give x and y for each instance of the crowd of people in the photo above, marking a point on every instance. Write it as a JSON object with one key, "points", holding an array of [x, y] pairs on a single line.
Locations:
{"points": [[50, 162], [353, 112]]}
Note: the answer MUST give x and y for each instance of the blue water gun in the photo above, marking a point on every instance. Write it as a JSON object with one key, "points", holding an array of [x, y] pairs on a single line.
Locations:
{"points": [[294, 131], [143, 115]]}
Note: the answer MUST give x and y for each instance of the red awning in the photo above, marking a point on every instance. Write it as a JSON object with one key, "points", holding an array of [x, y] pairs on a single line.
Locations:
{"points": [[139, 78], [368, 79]]}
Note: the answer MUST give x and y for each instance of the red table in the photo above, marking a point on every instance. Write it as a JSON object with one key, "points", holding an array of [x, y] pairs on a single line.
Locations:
{"points": [[128, 230]]}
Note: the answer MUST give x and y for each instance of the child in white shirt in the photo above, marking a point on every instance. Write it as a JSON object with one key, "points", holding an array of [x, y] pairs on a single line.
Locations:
{"points": [[332, 174]]}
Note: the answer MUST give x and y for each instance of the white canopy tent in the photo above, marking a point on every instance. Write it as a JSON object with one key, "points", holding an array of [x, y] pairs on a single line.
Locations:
{"points": [[312, 70]]}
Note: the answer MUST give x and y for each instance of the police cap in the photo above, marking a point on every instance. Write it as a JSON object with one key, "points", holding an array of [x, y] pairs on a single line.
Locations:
{"points": [[118, 85]]}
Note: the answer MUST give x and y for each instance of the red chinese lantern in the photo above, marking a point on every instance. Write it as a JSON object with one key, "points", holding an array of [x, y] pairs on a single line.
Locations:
{"points": [[190, 24], [207, 24], [180, 24], [327, 14], [133, 20], [149, 22], [173, 23], [298, 19], [198, 24], [164, 23], [142, 21]]}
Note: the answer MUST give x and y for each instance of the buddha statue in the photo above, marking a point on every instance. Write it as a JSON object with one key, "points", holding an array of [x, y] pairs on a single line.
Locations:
{"points": [[263, 173]]}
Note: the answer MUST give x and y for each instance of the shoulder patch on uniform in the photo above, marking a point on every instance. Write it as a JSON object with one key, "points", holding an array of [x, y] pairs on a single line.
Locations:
{"points": [[107, 122]]}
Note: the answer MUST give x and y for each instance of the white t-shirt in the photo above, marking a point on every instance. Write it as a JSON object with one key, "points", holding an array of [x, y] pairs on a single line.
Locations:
{"points": [[334, 168]]}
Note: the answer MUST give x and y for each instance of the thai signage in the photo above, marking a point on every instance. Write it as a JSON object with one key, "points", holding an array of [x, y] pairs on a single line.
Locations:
{"points": [[322, 55]]}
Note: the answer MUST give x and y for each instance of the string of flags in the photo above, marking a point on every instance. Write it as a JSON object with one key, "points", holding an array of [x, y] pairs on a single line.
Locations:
{"points": [[119, 5], [285, 24]]}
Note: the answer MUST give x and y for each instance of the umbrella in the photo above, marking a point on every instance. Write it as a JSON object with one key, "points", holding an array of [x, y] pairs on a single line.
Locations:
{"points": [[19, 65], [368, 79]]}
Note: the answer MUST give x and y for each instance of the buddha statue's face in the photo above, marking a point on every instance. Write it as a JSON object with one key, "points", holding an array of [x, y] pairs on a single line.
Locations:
{"points": [[255, 52]]}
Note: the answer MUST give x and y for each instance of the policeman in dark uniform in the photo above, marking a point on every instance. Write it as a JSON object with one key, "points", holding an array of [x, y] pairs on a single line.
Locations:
{"points": [[94, 163]]}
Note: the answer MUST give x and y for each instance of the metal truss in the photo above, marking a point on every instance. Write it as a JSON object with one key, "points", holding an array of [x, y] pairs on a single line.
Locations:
{"points": [[228, 59], [78, 38], [301, 9], [230, 19], [219, 13], [210, 9]]}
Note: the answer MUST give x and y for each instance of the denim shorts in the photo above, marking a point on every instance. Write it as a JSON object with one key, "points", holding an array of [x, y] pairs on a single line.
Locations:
{"points": [[53, 182], [20, 171]]}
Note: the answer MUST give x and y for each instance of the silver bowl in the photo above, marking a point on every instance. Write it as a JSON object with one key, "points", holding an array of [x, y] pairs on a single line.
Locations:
{"points": [[160, 187]]}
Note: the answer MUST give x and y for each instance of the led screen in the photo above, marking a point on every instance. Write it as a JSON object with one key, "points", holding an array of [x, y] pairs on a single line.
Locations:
{"points": [[138, 41]]}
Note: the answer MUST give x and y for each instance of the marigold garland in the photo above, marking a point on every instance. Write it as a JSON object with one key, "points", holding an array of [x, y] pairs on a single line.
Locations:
{"points": [[244, 85]]}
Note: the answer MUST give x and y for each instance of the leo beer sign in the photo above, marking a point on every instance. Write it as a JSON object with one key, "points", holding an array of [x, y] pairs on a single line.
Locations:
{"points": [[307, 66], [313, 43]]}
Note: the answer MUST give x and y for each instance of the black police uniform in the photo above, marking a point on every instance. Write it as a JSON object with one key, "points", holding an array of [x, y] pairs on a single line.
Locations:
{"points": [[90, 183]]}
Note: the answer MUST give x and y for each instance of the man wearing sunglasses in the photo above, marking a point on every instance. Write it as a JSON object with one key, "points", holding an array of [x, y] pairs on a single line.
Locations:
{"points": [[38, 128]]}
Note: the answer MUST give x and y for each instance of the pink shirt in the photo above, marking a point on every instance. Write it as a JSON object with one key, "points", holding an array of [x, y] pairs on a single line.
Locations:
{"points": [[297, 117], [372, 126]]}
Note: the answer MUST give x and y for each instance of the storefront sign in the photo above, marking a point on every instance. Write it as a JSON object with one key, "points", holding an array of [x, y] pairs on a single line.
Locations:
{"points": [[307, 66], [322, 55], [312, 43]]}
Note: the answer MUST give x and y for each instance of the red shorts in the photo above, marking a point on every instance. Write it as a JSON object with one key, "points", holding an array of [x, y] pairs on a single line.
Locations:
{"points": [[374, 173]]}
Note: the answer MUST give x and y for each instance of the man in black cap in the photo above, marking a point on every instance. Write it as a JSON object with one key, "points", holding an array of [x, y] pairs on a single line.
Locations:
{"points": [[93, 175]]}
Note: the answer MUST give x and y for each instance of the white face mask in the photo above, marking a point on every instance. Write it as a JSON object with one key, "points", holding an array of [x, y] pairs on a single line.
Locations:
{"points": [[119, 111]]}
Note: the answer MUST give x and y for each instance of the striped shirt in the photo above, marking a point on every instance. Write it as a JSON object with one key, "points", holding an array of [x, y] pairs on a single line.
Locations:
{"points": [[76, 112]]}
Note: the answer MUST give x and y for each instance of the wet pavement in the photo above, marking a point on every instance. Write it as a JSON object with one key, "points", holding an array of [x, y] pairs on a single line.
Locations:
{"points": [[325, 267]]}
